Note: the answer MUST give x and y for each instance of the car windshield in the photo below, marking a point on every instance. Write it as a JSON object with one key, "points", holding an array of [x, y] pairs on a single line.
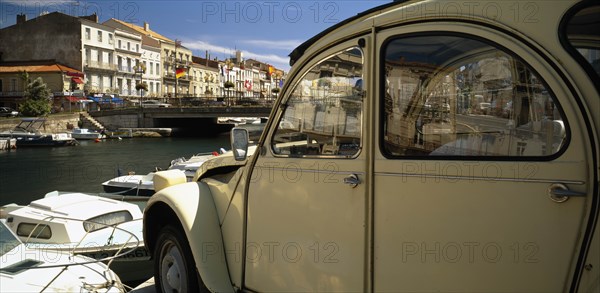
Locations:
{"points": [[8, 240]]}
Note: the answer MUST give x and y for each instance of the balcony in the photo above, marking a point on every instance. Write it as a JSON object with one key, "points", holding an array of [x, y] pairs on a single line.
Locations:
{"points": [[125, 68], [101, 65], [12, 94]]}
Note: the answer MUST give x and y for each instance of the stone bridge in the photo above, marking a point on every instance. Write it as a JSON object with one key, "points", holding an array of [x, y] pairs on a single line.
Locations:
{"points": [[201, 120]]}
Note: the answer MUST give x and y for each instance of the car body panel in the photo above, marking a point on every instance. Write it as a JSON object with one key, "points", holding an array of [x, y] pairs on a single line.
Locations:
{"points": [[290, 223], [203, 232]]}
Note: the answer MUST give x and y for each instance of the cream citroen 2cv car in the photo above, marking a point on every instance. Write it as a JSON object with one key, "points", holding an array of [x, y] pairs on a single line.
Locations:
{"points": [[420, 146]]}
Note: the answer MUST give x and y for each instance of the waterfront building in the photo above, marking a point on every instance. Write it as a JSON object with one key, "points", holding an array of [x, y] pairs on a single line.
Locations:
{"points": [[150, 55], [263, 82], [98, 55], [151, 59], [204, 78], [61, 80], [174, 57], [80, 43], [128, 49]]}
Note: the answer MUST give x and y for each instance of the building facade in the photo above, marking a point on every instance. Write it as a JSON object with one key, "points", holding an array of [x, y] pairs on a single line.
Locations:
{"points": [[61, 80], [128, 49], [98, 55], [204, 78], [151, 60]]}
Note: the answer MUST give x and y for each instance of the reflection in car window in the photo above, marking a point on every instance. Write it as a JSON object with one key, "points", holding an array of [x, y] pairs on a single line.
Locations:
{"points": [[457, 96], [324, 111], [583, 33]]}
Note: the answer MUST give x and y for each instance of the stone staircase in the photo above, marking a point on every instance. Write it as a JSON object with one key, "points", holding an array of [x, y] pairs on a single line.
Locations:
{"points": [[89, 122]]}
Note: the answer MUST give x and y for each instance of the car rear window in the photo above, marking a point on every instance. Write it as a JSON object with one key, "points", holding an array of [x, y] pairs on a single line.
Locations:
{"points": [[582, 32]]}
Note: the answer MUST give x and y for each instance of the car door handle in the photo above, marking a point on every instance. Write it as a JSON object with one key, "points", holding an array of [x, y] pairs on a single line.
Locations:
{"points": [[559, 192], [352, 180]]}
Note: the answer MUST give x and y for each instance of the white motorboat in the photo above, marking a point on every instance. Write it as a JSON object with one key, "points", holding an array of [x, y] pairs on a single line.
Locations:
{"points": [[132, 184], [29, 132], [83, 224], [86, 134], [27, 269], [189, 166]]}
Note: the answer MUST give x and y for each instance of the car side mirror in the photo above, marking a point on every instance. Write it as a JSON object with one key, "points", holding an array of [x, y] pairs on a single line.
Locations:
{"points": [[239, 143]]}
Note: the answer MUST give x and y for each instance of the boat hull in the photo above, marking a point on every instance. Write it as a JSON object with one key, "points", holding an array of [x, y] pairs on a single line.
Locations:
{"points": [[125, 190]]}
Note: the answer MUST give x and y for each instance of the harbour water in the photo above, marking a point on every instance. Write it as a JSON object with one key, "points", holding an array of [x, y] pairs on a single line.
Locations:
{"points": [[27, 174]]}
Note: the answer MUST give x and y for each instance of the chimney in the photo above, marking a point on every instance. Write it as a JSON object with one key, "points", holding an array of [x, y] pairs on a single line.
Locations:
{"points": [[93, 17], [21, 18], [146, 26]]}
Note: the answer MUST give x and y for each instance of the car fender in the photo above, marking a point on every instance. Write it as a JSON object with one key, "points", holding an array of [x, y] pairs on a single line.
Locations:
{"points": [[193, 206]]}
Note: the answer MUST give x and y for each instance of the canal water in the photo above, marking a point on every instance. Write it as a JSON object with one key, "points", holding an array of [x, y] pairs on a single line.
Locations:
{"points": [[27, 174]]}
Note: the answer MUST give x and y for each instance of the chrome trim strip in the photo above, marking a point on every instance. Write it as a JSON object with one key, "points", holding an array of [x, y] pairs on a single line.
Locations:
{"points": [[387, 174], [313, 171]]}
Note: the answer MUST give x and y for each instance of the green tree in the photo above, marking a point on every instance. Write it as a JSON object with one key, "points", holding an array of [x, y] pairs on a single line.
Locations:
{"points": [[37, 98]]}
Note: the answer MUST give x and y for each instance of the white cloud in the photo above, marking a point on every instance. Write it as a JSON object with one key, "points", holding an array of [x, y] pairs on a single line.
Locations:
{"points": [[281, 45], [278, 61]]}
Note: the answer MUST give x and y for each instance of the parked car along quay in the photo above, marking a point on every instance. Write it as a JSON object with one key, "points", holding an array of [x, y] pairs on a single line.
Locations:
{"points": [[358, 185], [8, 112]]}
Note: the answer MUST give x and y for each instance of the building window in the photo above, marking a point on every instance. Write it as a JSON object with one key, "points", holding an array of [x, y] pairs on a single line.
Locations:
{"points": [[323, 114], [88, 55], [99, 36], [157, 69], [13, 85], [137, 47], [128, 46], [87, 33], [151, 68], [119, 46], [110, 38], [479, 101]]}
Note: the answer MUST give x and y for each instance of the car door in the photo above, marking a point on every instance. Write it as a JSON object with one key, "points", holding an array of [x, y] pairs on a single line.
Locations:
{"points": [[478, 137], [307, 197]]}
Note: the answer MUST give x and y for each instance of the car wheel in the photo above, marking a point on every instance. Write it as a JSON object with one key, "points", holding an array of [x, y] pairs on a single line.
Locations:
{"points": [[174, 266]]}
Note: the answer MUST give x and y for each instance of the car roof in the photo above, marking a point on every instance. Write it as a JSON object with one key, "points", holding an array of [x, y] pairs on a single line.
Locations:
{"points": [[299, 51], [410, 11]]}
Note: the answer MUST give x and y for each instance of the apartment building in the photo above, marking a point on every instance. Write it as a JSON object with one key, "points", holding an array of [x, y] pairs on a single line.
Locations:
{"points": [[80, 43], [150, 54], [204, 78]]}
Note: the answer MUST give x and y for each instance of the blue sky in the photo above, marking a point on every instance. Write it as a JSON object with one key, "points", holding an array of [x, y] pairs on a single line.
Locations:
{"points": [[264, 30]]}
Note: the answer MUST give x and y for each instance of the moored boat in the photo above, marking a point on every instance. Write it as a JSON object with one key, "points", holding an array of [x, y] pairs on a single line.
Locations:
{"points": [[132, 184], [27, 269], [86, 134], [83, 224], [28, 133]]}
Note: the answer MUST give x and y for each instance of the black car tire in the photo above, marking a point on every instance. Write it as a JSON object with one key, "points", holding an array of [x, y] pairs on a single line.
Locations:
{"points": [[174, 266]]}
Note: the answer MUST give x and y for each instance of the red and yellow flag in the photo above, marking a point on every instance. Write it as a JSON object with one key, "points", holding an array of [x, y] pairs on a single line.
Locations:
{"points": [[179, 72]]}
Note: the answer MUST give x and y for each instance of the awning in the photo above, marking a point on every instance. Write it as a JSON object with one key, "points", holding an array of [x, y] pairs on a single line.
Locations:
{"points": [[76, 99], [77, 80], [106, 100]]}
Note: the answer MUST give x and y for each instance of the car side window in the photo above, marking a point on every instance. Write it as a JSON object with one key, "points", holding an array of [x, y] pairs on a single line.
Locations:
{"points": [[583, 32], [458, 96], [323, 114]]}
